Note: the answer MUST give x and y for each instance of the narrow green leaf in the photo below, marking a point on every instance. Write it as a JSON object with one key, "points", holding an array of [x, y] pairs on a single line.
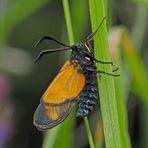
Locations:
{"points": [[56, 137], [136, 67], [141, 18], [65, 131], [68, 21], [80, 17], [137, 71], [109, 109], [91, 142], [71, 40], [121, 92], [50, 138]]}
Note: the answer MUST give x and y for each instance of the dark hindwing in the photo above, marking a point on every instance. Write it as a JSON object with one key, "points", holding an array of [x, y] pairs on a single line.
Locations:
{"points": [[46, 117]]}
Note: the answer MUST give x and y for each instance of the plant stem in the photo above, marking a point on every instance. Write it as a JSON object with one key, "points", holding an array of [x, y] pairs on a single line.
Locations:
{"points": [[68, 21], [91, 142], [71, 40]]}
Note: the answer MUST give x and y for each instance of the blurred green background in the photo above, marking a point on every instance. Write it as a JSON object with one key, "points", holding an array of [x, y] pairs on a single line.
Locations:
{"points": [[22, 83]]}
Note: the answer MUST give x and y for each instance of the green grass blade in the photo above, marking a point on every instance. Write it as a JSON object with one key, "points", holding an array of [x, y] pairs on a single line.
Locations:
{"points": [[65, 131], [109, 109], [56, 137], [138, 72], [122, 111], [141, 19], [71, 40], [121, 92], [68, 21], [50, 137], [80, 17], [91, 142], [136, 67], [140, 79]]}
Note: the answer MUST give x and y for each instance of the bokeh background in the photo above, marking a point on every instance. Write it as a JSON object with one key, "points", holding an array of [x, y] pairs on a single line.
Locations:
{"points": [[22, 83]]}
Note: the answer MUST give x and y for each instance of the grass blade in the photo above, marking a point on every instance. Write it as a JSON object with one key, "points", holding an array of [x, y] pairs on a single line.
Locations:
{"points": [[138, 72], [89, 133], [68, 22], [71, 40], [109, 109]]}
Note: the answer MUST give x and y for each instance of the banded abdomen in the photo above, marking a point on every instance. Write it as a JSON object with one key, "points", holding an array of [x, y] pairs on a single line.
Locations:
{"points": [[89, 95]]}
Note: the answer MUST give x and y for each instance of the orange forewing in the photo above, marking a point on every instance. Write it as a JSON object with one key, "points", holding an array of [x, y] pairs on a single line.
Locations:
{"points": [[67, 85], [56, 102]]}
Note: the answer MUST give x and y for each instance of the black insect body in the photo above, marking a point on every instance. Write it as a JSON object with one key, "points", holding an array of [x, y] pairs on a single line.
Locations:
{"points": [[89, 95]]}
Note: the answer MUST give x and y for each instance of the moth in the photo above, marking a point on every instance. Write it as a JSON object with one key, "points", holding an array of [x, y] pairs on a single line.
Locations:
{"points": [[76, 82]]}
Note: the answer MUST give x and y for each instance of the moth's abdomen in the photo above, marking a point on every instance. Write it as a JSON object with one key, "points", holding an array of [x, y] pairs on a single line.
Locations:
{"points": [[88, 96]]}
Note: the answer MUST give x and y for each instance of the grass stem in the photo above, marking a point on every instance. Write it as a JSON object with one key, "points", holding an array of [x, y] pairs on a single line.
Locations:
{"points": [[71, 40]]}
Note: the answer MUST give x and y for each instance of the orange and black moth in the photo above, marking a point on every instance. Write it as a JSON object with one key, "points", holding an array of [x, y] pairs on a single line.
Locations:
{"points": [[76, 82]]}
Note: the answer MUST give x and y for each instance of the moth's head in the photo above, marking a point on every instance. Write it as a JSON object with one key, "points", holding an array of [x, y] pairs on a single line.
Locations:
{"points": [[80, 48], [82, 53]]}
